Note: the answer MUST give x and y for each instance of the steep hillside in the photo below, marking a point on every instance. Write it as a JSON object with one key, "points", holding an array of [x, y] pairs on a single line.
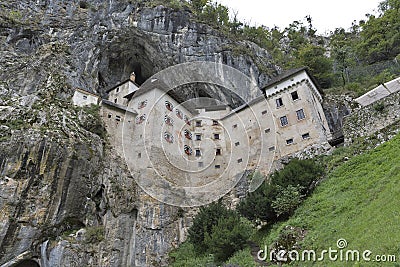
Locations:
{"points": [[357, 202]]}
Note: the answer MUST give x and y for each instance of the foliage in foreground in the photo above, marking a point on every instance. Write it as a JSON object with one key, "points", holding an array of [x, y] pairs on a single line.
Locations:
{"points": [[278, 198], [356, 202]]}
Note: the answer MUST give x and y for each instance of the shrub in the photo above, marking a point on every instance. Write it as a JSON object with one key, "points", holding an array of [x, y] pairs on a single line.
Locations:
{"points": [[229, 235], [282, 195], [219, 231]]}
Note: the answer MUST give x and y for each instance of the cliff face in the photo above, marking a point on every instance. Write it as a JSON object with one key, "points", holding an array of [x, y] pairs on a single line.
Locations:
{"points": [[66, 199]]}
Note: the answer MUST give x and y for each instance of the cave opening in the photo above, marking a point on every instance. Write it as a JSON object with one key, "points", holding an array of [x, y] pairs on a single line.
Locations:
{"points": [[128, 53]]}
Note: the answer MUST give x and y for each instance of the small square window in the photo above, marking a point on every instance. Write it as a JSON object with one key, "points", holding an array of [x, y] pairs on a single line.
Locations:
{"points": [[200, 164], [237, 144], [305, 136], [279, 102], [218, 152], [284, 121], [109, 115], [235, 126], [267, 130], [264, 112], [218, 166], [198, 153], [139, 155], [295, 95], [216, 136], [198, 137], [289, 141], [300, 114], [117, 89], [85, 97], [240, 160], [198, 123], [272, 148], [215, 122], [115, 100]]}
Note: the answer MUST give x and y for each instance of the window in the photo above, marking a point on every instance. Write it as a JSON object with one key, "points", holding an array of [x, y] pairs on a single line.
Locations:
{"points": [[168, 137], [218, 152], [140, 119], [267, 130], [272, 148], [237, 143], [284, 121], [198, 123], [300, 114], [235, 126], [118, 118], [289, 141], [279, 102], [179, 114], [198, 137], [305, 136], [215, 122], [85, 97], [295, 96], [240, 160], [188, 150], [139, 155], [168, 120], [187, 120], [216, 136], [218, 166], [117, 89], [198, 153], [142, 104], [109, 115], [264, 112], [187, 134], [201, 164], [169, 105], [115, 100]]}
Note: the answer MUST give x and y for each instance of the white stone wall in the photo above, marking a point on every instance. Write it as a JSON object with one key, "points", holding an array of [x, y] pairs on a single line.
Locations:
{"points": [[82, 98]]}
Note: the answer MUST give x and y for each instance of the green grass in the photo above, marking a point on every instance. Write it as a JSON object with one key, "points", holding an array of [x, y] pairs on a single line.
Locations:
{"points": [[358, 201]]}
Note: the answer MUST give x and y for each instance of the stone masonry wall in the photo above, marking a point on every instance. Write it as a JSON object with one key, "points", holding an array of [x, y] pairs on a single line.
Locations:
{"points": [[372, 118]]}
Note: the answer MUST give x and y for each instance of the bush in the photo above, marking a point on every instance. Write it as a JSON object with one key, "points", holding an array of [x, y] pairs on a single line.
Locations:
{"points": [[283, 194], [219, 231], [203, 223], [229, 235]]}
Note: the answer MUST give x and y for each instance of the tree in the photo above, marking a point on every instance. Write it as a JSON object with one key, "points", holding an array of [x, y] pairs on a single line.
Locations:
{"points": [[203, 224], [313, 56], [380, 36], [228, 236], [287, 200], [198, 5]]}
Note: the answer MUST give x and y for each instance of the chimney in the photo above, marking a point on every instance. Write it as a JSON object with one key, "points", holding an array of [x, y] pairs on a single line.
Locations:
{"points": [[132, 77]]}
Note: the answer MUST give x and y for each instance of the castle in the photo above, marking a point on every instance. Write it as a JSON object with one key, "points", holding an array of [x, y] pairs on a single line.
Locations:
{"points": [[162, 136]]}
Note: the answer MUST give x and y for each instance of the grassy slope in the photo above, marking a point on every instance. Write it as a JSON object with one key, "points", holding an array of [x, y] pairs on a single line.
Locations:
{"points": [[359, 201]]}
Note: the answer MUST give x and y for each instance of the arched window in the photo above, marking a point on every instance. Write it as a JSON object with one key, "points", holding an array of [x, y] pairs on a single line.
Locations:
{"points": [[168, 120], [188, 134], [188, 150], [140, 119], [168, 137], [168, 105], [179, 114], [142, 104], [187, 120]]}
